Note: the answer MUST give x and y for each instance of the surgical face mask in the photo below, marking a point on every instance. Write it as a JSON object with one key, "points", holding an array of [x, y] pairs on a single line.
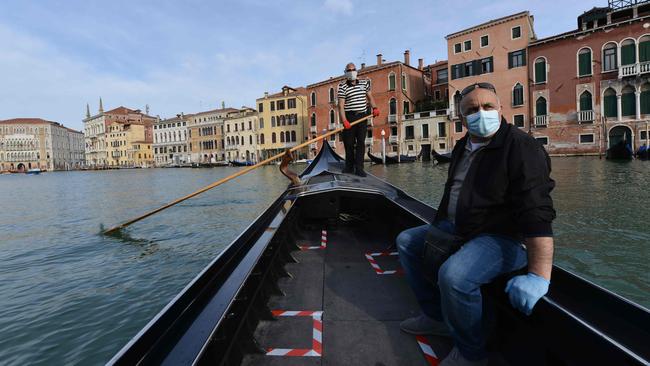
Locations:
{"points": [[483, 123], [351, 75]]}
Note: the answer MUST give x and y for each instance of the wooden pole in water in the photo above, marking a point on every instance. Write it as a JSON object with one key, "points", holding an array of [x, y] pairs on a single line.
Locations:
{"points": [[228, 178]]}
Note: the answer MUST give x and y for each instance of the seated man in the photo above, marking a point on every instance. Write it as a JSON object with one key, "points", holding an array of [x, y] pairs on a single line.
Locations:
{"points": [[497, 197]]}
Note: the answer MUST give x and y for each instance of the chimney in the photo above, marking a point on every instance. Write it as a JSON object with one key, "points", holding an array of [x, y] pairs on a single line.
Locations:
{"points": [[379, 59], [407, 57], [182, 115], [363, 65], [420, 63]]}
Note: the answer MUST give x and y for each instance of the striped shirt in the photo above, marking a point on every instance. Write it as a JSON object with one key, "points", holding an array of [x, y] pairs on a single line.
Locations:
{"points": [[355, 95]]}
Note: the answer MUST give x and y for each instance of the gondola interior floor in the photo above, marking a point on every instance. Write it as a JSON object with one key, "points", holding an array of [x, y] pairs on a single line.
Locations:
{"points": [[361, 310]]}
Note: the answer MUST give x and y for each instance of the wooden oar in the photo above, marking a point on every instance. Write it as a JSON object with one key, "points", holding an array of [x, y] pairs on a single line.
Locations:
{"points": [[113, 230]]}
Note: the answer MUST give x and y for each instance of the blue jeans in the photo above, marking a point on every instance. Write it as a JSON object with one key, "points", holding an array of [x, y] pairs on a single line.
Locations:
{"points": [[456, 299]]}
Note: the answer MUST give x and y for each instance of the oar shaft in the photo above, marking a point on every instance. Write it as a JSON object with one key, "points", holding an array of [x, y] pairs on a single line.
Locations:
{"points": [[228, 178]]}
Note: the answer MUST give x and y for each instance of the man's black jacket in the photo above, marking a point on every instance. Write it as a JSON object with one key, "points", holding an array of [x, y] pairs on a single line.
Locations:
{"points": [[507, 190]]}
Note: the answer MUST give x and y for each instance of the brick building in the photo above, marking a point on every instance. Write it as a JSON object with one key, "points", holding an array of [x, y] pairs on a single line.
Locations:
{"points": [[397, 88], [206, 140], [493, 52], [590, 87]]}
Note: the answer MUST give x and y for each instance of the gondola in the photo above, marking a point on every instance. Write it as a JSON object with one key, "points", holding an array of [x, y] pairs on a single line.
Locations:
{"points": [[620, 151], [392, 159], [315, 280], [441, 158], [241, 163]]}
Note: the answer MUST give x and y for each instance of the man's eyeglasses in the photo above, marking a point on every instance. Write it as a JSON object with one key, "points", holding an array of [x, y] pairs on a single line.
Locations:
{"points": [[487, 86]]}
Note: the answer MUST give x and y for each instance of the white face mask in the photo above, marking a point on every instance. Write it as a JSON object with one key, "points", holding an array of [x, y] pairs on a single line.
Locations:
{"points": [[351, 75]]}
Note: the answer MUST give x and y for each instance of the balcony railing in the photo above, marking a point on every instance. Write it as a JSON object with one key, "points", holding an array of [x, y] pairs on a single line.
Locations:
{"points": [[634, 69], [392, 139], [392, 118], [368, 140], [541, 121], [585, 116], [313, 129], [332, 126]]}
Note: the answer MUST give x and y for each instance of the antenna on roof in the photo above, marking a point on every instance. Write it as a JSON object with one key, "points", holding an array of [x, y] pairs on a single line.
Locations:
{"points": [[223, 104], [146, 109]]}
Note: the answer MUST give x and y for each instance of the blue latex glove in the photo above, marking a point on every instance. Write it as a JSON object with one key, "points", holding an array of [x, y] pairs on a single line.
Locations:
{"points": [[524, 291]]}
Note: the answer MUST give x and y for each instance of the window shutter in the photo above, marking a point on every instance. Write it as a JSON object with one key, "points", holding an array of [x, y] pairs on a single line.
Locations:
{"points": [[628, 104], [476, 67], [645, 102], [510, 60], [540, 72], [585, 102], [584, 63], [523, 57], [610, 106], [627, 54], [644, 51]]}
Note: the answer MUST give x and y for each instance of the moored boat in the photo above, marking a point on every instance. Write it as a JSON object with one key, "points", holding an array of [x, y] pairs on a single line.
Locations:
{"points": [[441, 158], [34, 171], [391, 159], [241, 163], [643, 153], [315, 279]]}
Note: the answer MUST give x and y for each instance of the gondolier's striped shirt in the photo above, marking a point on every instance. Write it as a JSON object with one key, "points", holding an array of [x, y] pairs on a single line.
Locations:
{"points": [[355, 95]]}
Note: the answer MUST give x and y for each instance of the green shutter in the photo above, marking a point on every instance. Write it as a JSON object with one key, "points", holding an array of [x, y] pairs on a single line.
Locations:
{"points": [[645, 102], [540, 72], [540, 107], [644, 51], [610, 105], [585, 102], [628, 56], [628, 104], [584, 63], [391, 82]]}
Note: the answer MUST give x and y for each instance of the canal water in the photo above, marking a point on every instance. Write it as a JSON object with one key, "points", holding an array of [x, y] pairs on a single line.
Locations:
{"points": [[71, 296]]}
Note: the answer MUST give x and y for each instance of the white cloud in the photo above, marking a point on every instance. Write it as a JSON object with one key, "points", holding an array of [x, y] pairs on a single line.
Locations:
{"points": [[339, 6]]}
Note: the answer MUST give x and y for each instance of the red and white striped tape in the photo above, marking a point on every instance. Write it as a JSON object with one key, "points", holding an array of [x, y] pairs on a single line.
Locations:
{"points": [[323, 242], [317, 336], [373, 263], [429, 355]]}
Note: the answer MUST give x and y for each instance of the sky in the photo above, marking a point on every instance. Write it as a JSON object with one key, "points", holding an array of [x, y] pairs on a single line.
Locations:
{"points": [[188, 56]]}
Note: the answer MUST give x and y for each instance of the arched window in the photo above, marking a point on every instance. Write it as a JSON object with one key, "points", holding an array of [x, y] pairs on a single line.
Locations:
{"points": [[392, 106], [281, 136], [313, 98], [293, 136], [586, 101], [250, 139], [283, 122], [540, 106], [628, 101], [391, 81], [518, 95], [610, 57], [272, 121], [628, 52], [644, 48], [262, 139], [540, 70], [273, 138], [609, 103], [332, 117], [287, 136], [645, 98], [313, 119], [331, 95], [584, 62], [404, 86]]}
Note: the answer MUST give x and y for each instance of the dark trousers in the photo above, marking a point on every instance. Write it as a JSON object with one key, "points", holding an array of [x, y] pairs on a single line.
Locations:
{"points": [[354, 141]]}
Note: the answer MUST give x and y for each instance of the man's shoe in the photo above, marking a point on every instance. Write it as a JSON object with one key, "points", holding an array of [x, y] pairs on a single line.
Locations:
{"points": [[423, 325], [361, 173], [454, 358], [348, 171]]}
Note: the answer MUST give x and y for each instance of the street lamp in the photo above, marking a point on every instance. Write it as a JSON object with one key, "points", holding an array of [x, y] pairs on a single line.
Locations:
{"points": [[383, 146]]}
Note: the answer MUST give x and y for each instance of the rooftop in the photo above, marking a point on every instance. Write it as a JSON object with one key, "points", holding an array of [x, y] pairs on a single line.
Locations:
{"points": [[34, 121], [489, 23]]}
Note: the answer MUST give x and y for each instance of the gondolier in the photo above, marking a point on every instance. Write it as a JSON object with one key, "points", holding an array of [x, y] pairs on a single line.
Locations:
{"points": [[497, 196], [354, 99]]}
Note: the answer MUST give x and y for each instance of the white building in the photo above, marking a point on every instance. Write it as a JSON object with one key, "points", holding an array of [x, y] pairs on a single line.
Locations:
{"points": [[423, 132], [171, 141], [96, 148], [240, 134]]}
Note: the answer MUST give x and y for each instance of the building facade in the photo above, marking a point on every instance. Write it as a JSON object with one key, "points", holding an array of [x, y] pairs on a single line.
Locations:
{"points": [[281, 121], [206, 135], [171, 141], [424, 132], [590, 87], [34, 143], [128, 146], [494, 52], [240, 131], [397, 87]]}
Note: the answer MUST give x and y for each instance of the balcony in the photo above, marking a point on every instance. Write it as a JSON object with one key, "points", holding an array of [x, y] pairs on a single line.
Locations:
{"points": [[289, 144], [332, 126], [541, 121], [585, 116], [368, 140], [392, 118], [392, 140], [313, 129], [634, 69]]}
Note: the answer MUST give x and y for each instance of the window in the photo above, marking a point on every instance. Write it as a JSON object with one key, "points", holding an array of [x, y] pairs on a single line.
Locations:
{"points": [[609, 57], [261, 122], [628, 102], [272, 106], [540, 106], [442, 76], [516, 32], [403, 81], [458, 127], [409, 132], [391, 81], [313, 120], [331, 93], [645, 98], [516, 59], [584, 62], [518, 95], [291, 103], [609, 103], [437, 95], [628, 52], [293, 136], [442, 130], [644, 49], [273, 138], [332, 117], [540, 70], [425, 131], [467, 45], [457, 48], [406, 107], [392, 107], [262, 139], [272, 121], [486, 65], [260, 107], [457, 99], [313, 98], [456, 72], [587, 138], [281, 136], [518, 120], [585, 101], [468, 69], [542, 140], [485, 41], [280, 105]]}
